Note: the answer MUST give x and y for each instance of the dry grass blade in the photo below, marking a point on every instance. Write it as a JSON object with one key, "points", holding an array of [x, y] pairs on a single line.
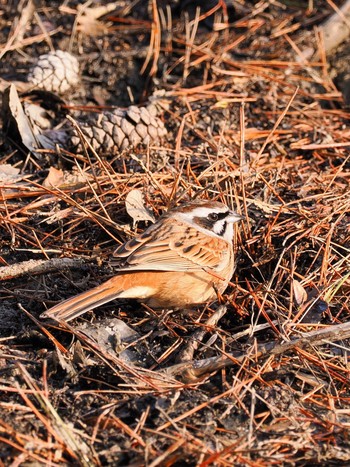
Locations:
{"points": [[191, 371], [155, 40], [53, 422], [254, 120]]}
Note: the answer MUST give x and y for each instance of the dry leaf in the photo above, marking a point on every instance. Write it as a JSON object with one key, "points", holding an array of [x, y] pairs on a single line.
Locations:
{"points": [[55, 178], [135, 207], [57, 216], [9, 174], [115, 337], [88, 18], [300, 294], [15, 115], [27, 13], [38, 116]]}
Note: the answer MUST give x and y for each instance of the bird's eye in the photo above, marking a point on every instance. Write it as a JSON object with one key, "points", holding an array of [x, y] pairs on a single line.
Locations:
{"points": [[213, 216]]}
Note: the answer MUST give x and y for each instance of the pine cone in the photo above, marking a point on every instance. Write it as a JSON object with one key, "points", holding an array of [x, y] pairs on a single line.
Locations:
{"points": [[120, 129], [55, 72]]}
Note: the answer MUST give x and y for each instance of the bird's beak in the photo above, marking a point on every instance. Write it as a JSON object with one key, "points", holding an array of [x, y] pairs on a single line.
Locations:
{"points": [[234, 217]]}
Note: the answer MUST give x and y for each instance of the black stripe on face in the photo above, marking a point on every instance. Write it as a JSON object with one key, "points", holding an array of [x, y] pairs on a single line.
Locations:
{"points": [[221, 215], [211, 220]]}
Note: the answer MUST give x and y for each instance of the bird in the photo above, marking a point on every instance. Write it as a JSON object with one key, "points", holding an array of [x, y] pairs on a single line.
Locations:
{"points": [[184, 259]]}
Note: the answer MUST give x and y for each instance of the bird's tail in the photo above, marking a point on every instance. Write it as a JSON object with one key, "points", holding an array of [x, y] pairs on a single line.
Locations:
{"points": [[76, 306]]}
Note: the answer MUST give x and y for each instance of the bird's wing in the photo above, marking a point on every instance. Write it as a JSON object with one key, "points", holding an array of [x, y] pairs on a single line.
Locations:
{"points": [[171, 246]]}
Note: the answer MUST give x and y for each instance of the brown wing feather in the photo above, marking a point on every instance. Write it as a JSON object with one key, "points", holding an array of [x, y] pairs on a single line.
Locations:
{"points": [[171, 246]]}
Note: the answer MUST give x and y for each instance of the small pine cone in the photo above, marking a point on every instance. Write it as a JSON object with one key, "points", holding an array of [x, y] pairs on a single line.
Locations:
{"points": [[55, 72], [121, 129]]}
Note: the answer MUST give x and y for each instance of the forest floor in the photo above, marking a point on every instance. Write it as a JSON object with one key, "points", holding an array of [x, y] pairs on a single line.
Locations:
{"points": [[255, 117]]}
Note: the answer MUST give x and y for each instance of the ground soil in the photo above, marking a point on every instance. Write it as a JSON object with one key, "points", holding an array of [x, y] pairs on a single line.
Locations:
{"points": [[255, 117]]}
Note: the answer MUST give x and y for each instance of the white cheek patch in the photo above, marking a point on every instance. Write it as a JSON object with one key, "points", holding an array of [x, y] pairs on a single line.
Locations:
{"points": [[228, 234], [219, 227]]}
